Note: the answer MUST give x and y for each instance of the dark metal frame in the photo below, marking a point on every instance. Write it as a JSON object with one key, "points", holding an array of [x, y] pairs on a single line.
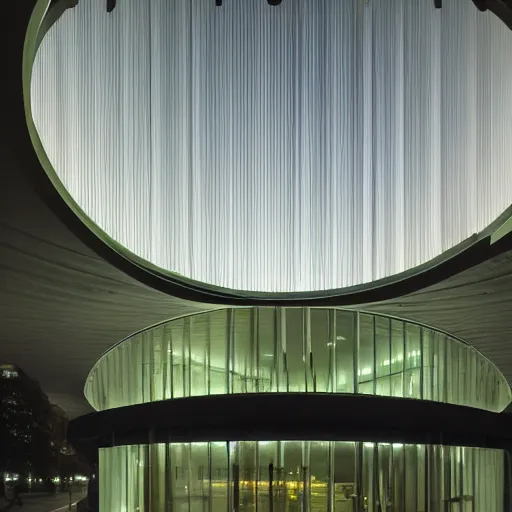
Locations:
{"points": [[292, 416]]}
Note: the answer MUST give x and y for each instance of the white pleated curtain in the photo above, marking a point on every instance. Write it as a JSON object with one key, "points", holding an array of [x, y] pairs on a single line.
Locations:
{"points": [[314, 145]]}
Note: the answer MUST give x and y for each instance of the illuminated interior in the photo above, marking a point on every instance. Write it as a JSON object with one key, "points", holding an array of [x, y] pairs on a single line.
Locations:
{"points": [[298, 476], [310, 146], [264, 350]]}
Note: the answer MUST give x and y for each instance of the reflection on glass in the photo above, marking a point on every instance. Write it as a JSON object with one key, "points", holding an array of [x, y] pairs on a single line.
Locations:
{"points": [[383, 356], [344, 349], [397, 358], [265, 350], [293, 476], [365, 370]]}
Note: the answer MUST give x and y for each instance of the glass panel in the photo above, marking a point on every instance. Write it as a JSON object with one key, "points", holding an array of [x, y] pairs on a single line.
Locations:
{"points": [[148, 368], [344, 476], [480, 388], [447, 462], [110, 493], [383, 355], [440, 477], [368, 473], [218, 476], [345, 350], [282, 381], [177, 359], [452, 364], [181, 474], [411, 480], [296, 361], [198, 354], [491, 397], [412, 376], [233, 474], [468, 475], [412, 346], [472, 363], [138, 374], [455, 480], [428, 364], [397, 358], [293, 491], [322, 336], [199, 476], [267, 349], [279, 478], [464, 387], [186, 356], [366, 355], [412, 380], [248, 474], [242, 357], [267, 460], [398, 477], [499, 478], [319, 475], [483, 480], [421, 481], [440, 387], [218, 350], [156, 471], [167, 370], [383, 485]]}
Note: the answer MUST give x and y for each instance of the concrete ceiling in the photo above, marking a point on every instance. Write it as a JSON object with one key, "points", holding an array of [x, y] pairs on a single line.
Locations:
{"points": [[475, 305], [62, 305]]}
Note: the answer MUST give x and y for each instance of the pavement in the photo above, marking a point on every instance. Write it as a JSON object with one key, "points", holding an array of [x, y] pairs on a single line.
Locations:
{"points": [[53, 503]]}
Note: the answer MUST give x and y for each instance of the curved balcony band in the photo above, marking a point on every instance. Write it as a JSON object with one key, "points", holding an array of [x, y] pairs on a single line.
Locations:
{"points": [[293, 416], [271, 350]]}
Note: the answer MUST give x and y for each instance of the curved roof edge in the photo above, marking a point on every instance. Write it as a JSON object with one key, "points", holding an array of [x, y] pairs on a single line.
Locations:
{"points": [[501, 8], [463, 256]]}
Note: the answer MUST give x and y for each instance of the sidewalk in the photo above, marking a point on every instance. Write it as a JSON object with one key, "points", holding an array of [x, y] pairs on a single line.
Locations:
{"points": [[54, 503]]}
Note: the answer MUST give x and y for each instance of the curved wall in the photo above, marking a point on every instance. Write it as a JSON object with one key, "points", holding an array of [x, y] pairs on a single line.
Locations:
{"points": [[264, 350], [310, 146], [294, 476]]}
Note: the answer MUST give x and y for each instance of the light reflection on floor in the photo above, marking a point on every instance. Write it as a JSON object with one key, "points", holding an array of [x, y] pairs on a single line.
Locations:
{"points": [[287, 497]]}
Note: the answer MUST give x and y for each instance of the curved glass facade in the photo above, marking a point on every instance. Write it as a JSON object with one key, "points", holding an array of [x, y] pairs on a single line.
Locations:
{"points": [[290, 476], [261, 350]]}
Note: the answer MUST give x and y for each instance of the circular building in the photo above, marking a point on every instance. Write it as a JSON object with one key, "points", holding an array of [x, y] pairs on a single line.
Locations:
{"points": [[248, 393]]}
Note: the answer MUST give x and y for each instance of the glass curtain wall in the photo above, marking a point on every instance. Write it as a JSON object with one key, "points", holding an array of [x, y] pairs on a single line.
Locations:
{"points": [[262, 350], [288, 476]]}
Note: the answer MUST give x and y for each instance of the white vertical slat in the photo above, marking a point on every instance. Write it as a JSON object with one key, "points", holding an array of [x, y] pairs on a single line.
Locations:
{"points": [[309, 146]]}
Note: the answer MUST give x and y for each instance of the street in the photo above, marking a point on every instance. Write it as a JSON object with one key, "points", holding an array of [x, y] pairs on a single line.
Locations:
{"points": [[37, 503]]}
